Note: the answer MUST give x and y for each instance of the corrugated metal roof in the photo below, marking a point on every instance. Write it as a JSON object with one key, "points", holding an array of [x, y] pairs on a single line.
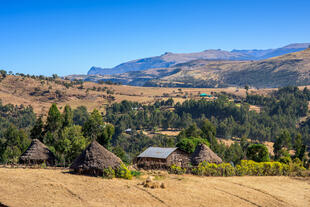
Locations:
{"points": [[157, 152]]}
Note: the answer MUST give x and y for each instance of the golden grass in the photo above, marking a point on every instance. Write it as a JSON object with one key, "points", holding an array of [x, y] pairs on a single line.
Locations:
{"points": [[48, 187], [16, 90]]}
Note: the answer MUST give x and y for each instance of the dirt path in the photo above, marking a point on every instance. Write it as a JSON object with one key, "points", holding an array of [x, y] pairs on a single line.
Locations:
{"points": [[40, 187]]}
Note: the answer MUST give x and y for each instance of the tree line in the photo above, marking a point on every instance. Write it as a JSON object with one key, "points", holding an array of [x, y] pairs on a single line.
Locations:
{"points": [[68, 132]]}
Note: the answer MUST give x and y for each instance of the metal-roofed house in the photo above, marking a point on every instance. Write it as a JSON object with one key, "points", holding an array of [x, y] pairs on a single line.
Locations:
{"points": [[162, 158]]}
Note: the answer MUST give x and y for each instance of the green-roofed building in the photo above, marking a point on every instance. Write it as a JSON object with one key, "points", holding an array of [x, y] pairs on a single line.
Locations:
{"points": [[205, 95]]}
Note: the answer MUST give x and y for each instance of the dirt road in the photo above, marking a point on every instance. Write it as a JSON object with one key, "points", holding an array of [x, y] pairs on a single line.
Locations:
{"points": [[47, 187]]}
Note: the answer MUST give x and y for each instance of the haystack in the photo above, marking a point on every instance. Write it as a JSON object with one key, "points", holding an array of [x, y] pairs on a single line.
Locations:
{"points": [[37, 153], [204, 153], [94, 159]]}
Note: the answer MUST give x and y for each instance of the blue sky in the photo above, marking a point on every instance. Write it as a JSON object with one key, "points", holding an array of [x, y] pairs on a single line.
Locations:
{"points": [[69, 36]]}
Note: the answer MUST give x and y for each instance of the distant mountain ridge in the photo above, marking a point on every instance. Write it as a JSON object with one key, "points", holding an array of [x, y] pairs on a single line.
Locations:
{"points": [[171, 59], [286, 70]]}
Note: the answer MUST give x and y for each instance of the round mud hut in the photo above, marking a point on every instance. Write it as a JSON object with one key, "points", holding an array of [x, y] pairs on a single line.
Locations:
{"points": [[204, 153], [94, 159], [37, 153]]}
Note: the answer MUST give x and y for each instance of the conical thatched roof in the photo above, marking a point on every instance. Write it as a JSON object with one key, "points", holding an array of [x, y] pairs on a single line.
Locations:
{"points": [[95, 158], [204, 153], [37, 153]]}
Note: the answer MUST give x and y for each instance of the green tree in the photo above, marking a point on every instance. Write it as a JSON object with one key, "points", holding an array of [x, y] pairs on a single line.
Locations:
{"points": [[299, 147], [3, 73], [244, 144], [71, 143], [13, 145], [284, 140], [93, 126], [37, 132], [233, 153], [208, 129], [119, 152], [209, 132], [189, 144], [191, 131], [80, 115], [54, 76], [105, 136], [67, 117], [258, 153], [54, 119]]}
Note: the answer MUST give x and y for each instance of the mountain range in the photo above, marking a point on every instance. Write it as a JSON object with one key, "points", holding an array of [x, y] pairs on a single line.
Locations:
{"points": [[169, 59]]}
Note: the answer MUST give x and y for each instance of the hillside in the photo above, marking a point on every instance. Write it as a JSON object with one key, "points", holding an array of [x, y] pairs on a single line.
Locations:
{"points": [[171, 59], [52, 187], [289, 69], [40, 94]]}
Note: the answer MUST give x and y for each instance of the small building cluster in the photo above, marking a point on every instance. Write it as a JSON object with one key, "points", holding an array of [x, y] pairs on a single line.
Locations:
{"points": [[163, 158], [95, 158]]}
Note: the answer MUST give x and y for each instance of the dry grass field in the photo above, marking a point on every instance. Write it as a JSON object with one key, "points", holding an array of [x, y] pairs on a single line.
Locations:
{"points": [[41, 94], [54, 187]]}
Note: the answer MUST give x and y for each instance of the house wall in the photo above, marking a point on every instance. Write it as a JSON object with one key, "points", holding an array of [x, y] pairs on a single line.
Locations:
{"points": [[178, 158], [151, 163]]}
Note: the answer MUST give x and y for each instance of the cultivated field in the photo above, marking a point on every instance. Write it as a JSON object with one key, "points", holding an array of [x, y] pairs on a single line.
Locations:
{"points": [[49, 187]]}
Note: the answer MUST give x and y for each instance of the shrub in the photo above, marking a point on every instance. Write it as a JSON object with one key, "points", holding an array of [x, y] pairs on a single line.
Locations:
{"points": [[249, 167], [211, 169], [285, 160], [135, 173], [123, 172], [43, 165], [177, 170], [108, 173], [258, 153], [296, 167]]}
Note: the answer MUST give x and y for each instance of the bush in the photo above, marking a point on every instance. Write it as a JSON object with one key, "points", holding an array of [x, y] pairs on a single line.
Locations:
{"points": [[43, 165], [249, 167], [123, 172], [135, 173], [211, 169], [177, 170], [285, 160], [108, 173], [296, 167], [258, 153]]}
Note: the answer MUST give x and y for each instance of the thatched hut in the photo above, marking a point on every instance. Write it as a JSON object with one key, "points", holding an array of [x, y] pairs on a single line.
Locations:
{"points": [[162, 158], [37, 153], [204, 153], [94, 159]]}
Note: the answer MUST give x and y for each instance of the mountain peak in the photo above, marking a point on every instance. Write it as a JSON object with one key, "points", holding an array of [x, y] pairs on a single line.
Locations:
{"points": [[297, 45], [169, 59]]}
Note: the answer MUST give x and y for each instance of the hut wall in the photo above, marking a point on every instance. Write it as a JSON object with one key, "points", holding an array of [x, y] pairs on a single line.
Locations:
{"points": [[178, 158], [151, 163], [48, 162]]}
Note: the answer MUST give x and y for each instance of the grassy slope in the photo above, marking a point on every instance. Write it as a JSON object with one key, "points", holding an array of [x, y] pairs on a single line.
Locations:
{"points": [[16, 90], [41, 187]]}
